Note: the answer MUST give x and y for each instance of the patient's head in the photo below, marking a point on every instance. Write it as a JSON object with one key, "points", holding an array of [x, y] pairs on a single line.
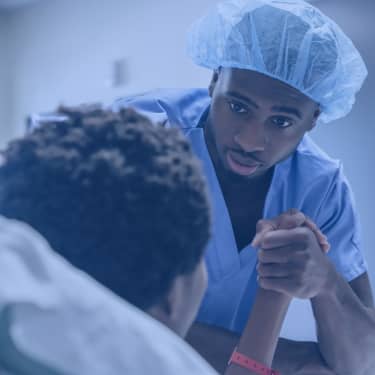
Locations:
{"points": [[121, 199]]}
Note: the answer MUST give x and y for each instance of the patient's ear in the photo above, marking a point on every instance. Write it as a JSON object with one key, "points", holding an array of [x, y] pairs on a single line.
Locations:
{"points": [[168, 310], [179, 307]]}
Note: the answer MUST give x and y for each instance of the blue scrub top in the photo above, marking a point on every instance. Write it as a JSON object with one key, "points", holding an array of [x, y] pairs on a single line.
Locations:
{"points": [[308, 180]]}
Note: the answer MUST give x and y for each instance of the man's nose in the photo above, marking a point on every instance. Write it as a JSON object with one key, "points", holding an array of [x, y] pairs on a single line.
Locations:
{"points": [[251, 137]]}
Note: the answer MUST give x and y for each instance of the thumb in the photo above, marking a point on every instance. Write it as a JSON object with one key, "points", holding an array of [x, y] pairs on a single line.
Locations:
{"points": [[290, 219], [263, 227]]}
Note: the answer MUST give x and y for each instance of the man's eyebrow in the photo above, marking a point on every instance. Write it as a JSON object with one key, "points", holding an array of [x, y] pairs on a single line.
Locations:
{"points": [[243, 98], [290, 110]]}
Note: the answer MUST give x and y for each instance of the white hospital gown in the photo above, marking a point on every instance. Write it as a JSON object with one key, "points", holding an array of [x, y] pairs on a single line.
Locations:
{"points": [[57, 318]]}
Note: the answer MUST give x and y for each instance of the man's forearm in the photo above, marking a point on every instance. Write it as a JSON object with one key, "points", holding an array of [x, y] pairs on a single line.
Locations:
{"points": [[299, 358], [346, 329]]}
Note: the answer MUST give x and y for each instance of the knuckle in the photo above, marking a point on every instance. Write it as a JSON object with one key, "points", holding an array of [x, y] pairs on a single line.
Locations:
{"points": [[303, 268], [262, 282], [304, 234], [262, 257], [298, 283], [260, 269], [260, 224], [305, 258]]}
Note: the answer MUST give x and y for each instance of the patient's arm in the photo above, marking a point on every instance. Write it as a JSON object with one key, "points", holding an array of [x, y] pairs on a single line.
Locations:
{"points": [[259, 339], [291, 357]]}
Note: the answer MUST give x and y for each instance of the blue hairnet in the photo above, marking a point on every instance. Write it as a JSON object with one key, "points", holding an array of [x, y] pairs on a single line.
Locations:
{"points": [[288, 40]]}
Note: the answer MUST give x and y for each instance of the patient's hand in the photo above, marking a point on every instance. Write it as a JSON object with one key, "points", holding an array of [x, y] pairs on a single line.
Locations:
{"points": [[289, 220], [291, 259]]}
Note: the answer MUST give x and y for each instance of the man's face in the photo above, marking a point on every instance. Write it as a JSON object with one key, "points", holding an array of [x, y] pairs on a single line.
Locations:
{"points": [[254, 122]]}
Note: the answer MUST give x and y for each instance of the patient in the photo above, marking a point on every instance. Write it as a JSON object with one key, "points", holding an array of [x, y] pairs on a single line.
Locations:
{"points": [[120, 199], [124, 201]]}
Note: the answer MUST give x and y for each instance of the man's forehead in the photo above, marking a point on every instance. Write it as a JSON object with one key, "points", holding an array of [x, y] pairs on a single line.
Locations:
{"points": [[251, 83]]}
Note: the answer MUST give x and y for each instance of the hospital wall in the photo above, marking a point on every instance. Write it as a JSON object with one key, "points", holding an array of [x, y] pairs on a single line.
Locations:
{"points": [[63, 51], [5, 126], [352, 139]]}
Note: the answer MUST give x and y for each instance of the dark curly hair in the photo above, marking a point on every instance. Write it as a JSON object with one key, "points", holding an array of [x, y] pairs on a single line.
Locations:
{"points": [[118, 197]]}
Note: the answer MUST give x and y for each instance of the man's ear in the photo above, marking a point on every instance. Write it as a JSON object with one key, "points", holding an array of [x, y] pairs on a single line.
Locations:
{"points": [[315, 118], [214, 79]]}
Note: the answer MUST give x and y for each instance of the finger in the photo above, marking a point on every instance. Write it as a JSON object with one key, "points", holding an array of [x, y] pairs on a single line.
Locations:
{"points": [[288, 220], [283, 285], [322, 239], [274, 270], [277, 255], [286, 237], [291, 219], [310, 224], [262, 227], [326, 247], [266, 225]]}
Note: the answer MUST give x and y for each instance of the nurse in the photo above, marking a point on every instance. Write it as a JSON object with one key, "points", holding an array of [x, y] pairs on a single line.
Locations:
{"points": [[279, 69]]}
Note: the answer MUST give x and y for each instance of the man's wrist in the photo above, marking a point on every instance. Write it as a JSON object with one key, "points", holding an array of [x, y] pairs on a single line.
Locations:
{"points": [[330, 287]]}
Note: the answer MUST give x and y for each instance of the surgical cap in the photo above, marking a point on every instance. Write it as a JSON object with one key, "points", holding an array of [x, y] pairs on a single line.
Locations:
{"points": [[290, 41]]}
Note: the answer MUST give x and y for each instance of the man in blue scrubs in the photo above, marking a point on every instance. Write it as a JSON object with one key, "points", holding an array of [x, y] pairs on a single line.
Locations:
{"points": [[279, 68]]}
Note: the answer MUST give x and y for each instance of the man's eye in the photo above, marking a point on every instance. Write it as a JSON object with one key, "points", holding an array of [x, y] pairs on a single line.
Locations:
{"points": [[238, 108], [282, 122]]}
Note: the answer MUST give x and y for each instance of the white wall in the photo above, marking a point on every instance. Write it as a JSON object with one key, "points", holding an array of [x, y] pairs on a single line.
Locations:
{"points": [[62, 50], [352, 139], [5, 126]]}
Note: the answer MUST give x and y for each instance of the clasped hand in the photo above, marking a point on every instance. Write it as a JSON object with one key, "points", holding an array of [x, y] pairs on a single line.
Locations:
{"points": [[292, 256]]}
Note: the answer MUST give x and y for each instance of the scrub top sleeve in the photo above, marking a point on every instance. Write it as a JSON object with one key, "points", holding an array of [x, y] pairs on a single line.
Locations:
{"points": [[146, 104], [339, 221]]}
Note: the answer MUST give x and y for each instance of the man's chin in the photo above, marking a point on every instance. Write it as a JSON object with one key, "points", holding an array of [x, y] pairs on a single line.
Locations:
{"points": [[235, 178]]}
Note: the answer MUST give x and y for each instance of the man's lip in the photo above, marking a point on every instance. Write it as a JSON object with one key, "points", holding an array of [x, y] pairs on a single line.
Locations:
{"points": [[244, 160], [239, 168]]}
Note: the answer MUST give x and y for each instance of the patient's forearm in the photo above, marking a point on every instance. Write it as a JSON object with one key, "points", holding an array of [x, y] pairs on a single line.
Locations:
{"points": [[260, 337], [291, 357], [215, 344]]}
